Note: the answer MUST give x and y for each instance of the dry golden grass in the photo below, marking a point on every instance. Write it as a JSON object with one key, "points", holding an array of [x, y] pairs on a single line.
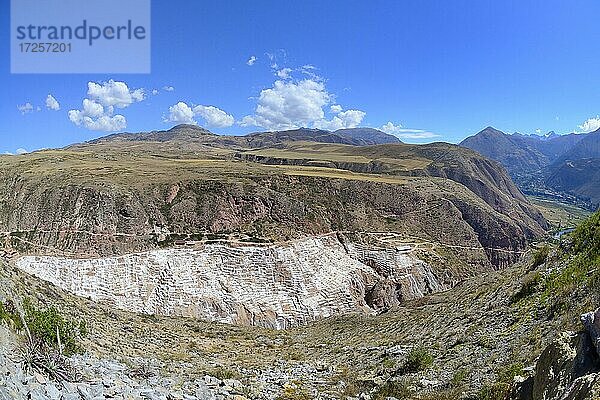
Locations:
{"points": [[130, 166]]}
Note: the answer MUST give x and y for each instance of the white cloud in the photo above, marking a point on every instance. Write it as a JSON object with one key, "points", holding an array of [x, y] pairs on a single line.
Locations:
{"points": [[336, 108], [97, 118], [538, 131], [290, 105], [113, 93], [590, 125], [273, 60], [214, 116], [406, 133], [343, 119], [52, 103], [99, 106], [168, 88], [154, 92], [352, 118], [284, 73], [181, 113], [251, 60], [184, 114], [25, 108], [18, 151]]}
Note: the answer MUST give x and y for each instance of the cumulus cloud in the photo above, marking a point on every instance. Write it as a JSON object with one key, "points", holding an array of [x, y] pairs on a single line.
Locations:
{"points": [[96, 117], [168, 88], [184, 114], [98, 108], [52, 103], [25, 108], [590, 125], [290, 105], [343, 119], [154, 92], [18, 151], [406, 133], [251, 61], [214, 116], [113, 93], [181, 113]]}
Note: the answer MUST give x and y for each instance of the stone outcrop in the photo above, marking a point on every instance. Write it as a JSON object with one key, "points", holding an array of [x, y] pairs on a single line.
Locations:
{"points": [[275, 286], [591, 323], [567, 369]]}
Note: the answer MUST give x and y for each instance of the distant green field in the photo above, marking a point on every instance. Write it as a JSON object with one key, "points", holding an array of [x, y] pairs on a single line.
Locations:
{"points": [[560, 214]]}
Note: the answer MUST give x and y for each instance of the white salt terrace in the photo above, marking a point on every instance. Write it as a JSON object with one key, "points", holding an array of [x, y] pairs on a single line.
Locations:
{"points": [[277, 286]]}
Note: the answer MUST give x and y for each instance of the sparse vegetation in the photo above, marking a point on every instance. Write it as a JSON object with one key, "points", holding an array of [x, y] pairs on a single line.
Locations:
{"points": [[418, 359], [529, 285], [500, 389], [49, 338], [540, 256], [9, 313], [583, 262], [52, 329], [223, 373], [396, 389], [459, 377], [294, 391]]}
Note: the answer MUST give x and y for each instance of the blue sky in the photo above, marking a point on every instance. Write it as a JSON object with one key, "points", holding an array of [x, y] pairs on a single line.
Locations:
{"points": [[417, 68]]}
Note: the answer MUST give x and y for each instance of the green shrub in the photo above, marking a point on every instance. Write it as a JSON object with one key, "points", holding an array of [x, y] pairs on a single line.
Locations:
{"points": [[494, 391], [48, 325], [388, 363], [582, 270], [418, 359], [541, 255], [507, 374], [529, 285]]}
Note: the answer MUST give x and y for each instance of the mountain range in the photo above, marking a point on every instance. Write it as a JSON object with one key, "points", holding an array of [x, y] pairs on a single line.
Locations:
{"points": [[564, 167], [197, 134]]}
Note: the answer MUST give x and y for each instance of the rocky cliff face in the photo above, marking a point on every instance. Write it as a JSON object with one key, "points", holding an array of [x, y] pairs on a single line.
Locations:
{"points": [[99, 220]]}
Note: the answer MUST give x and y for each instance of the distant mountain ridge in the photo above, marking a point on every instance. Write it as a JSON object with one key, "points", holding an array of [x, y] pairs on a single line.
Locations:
{"points": [[197, 134], [556, 165]]}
